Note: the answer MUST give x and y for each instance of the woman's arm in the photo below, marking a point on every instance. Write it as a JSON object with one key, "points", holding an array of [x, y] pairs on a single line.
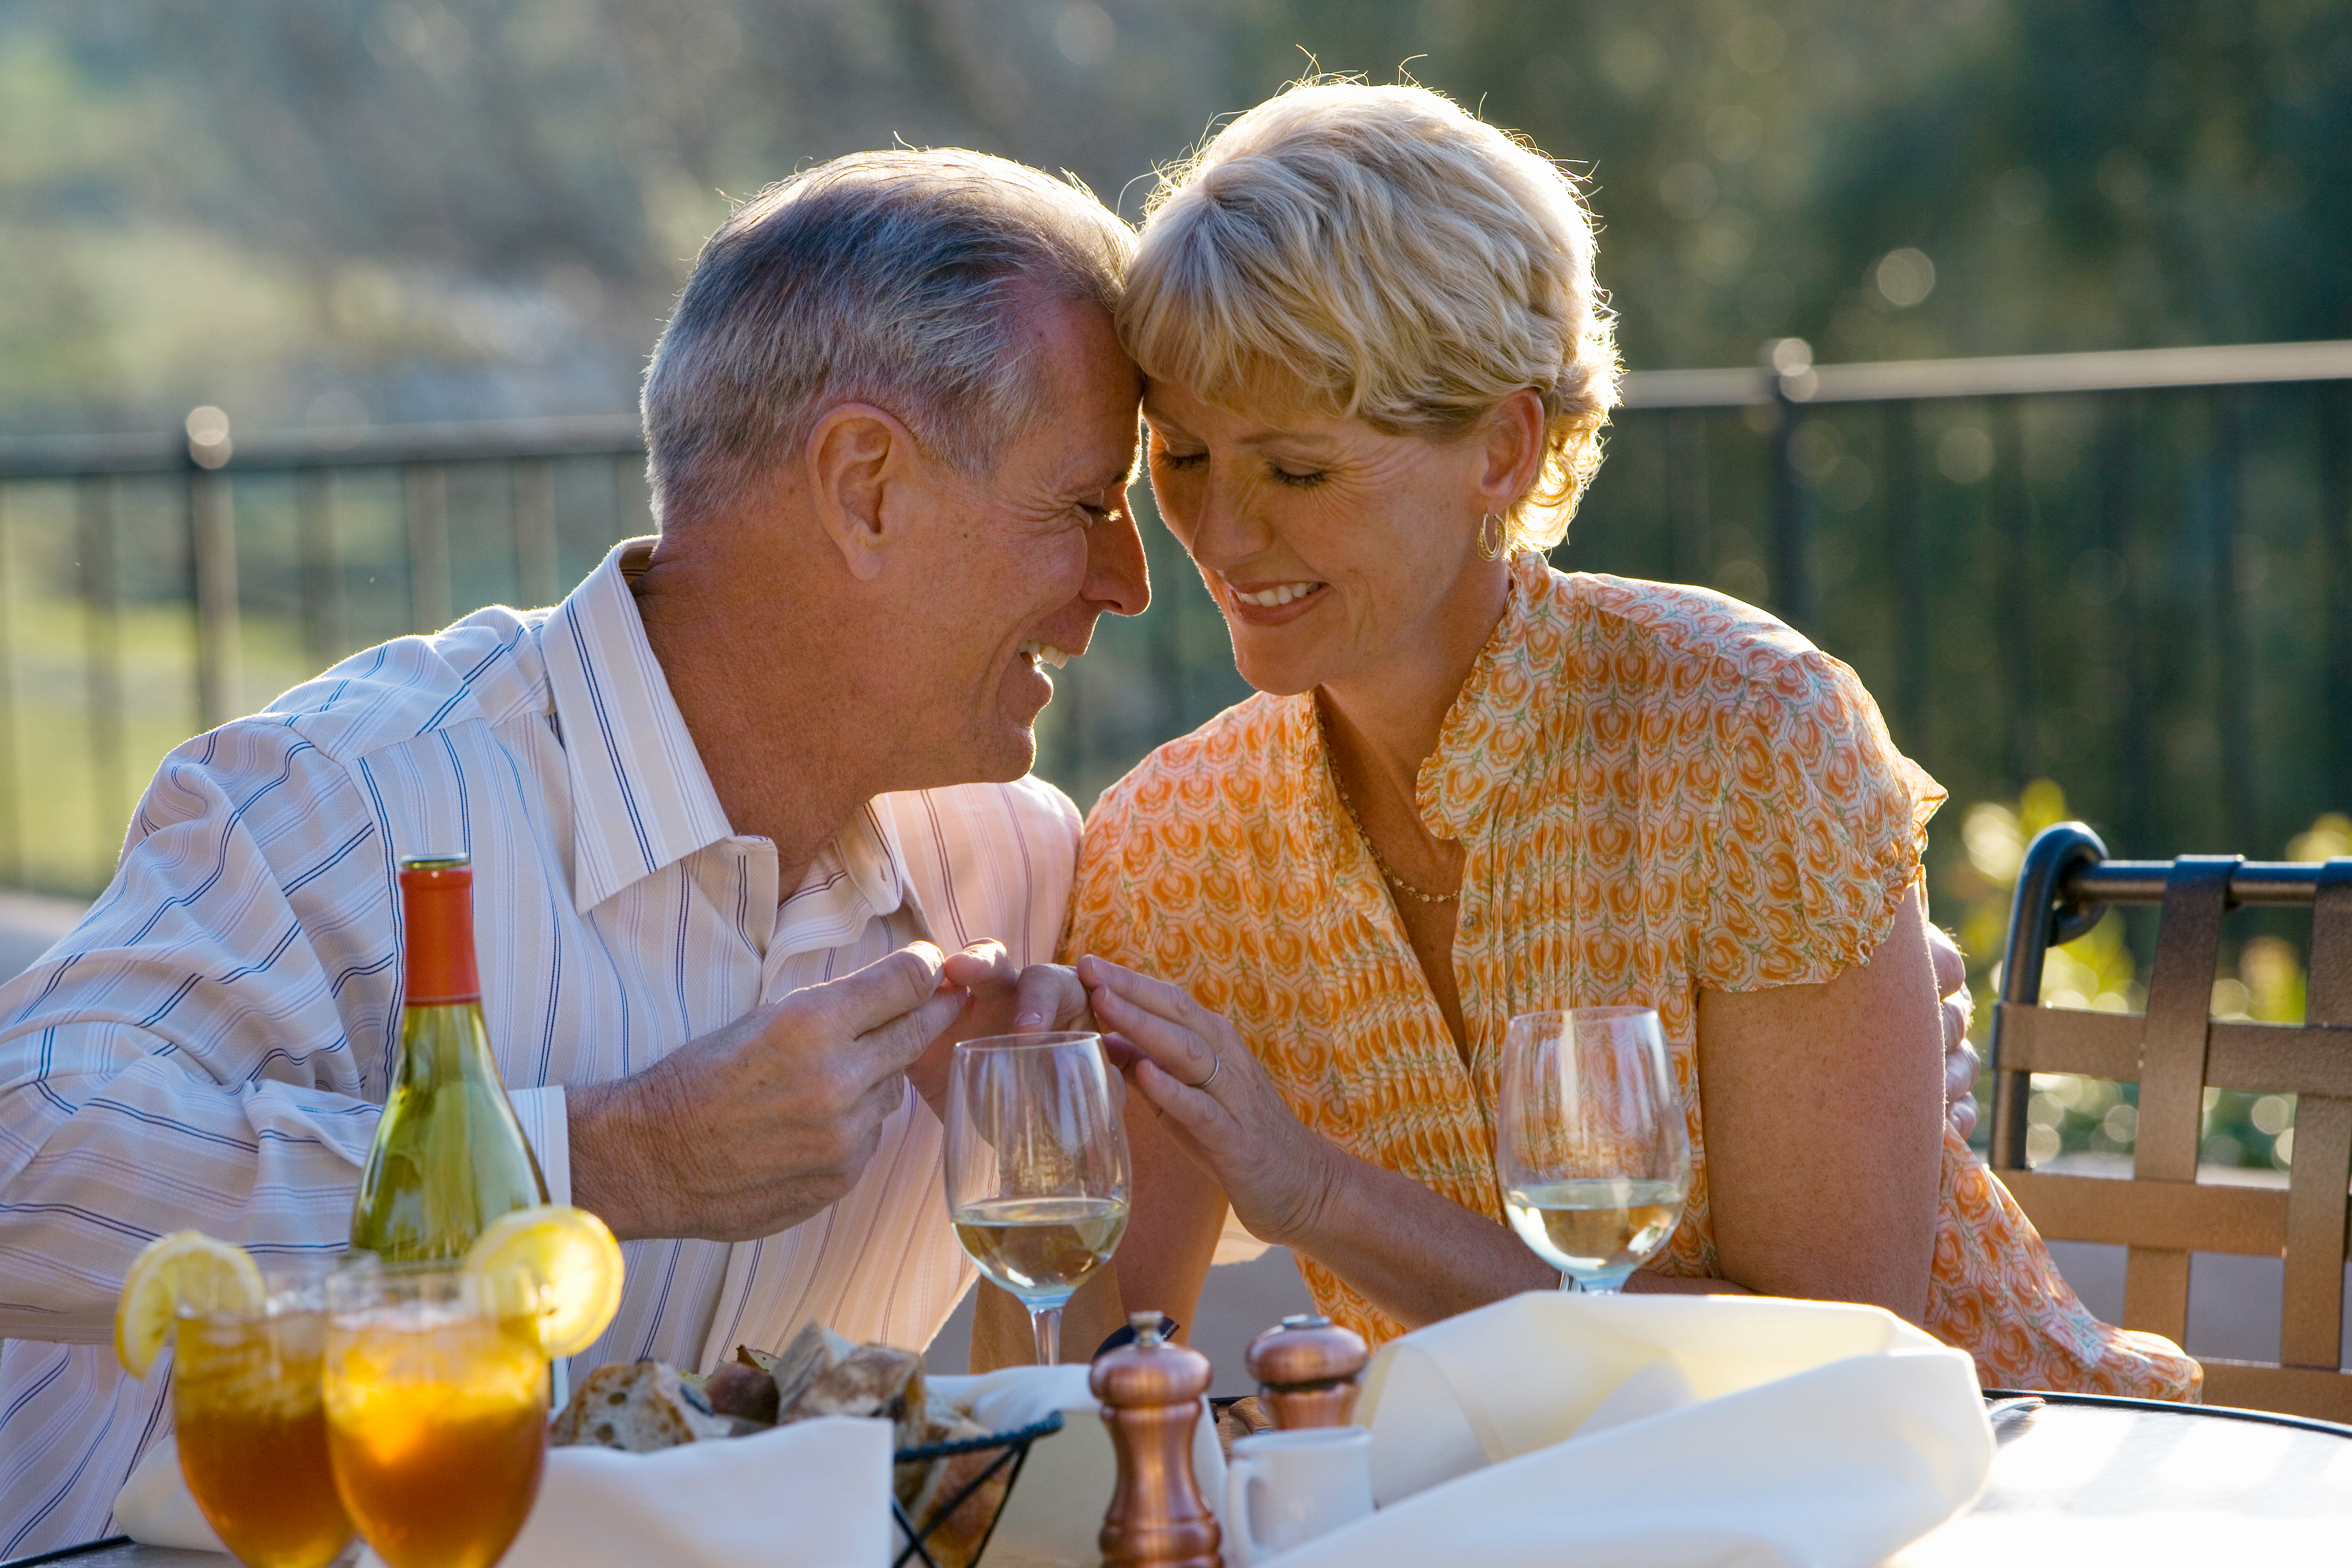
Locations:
{"points": [[1822, 1108], [1419, 1257]]}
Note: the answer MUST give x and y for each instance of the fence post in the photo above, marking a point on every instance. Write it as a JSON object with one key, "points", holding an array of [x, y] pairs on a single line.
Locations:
{"points": [[12, 821], [1790, 363], [2127, 653], [322, 577], [534, 530], [1686, 497], [102, 666], [1899, 436], [212, 550], [426, 494], [2013, 528], [2336, 533], [2234, 671]]}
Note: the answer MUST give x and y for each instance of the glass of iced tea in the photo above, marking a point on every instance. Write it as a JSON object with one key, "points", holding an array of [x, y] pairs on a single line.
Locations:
{"points": [[252, 1429], [436, 1413]]}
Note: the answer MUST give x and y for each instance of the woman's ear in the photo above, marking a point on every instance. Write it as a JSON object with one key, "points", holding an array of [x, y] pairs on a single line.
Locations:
{"points": [[861, 461], [1514, 440]]}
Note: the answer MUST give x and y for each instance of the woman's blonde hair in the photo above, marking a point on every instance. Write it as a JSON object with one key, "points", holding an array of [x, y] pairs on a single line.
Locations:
{"points": [[1409, 264]]}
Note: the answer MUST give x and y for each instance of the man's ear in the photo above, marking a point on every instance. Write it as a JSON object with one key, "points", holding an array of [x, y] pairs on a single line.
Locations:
{"points": [[861, 463]]}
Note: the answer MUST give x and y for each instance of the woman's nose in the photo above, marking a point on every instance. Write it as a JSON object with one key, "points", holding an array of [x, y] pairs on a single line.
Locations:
{"points": [[1223, 530]]}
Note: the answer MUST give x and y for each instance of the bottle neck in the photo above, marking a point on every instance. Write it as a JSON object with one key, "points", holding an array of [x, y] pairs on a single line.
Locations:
{"points": [[438, 911]]}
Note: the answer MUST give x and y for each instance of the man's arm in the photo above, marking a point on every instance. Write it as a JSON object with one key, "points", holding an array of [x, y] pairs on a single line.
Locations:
{"points": [[184, 1059]]}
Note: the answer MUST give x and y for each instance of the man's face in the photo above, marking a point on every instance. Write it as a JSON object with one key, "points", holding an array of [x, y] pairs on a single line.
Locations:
{"points": [[1016, 565]]}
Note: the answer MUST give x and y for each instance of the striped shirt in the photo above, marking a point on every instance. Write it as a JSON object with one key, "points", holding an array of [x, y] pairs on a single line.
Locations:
{"points": [[210, 1048]]}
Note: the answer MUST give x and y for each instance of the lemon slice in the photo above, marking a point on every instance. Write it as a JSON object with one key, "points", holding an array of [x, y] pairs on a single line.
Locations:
{"points": [[562, 1255], [186, 1269]]}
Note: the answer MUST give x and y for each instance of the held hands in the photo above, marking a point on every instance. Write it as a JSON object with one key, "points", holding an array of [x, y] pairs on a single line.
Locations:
{"points": [[1960, 1060], [1000, 998], [1214, 1098], [752, 1128]]}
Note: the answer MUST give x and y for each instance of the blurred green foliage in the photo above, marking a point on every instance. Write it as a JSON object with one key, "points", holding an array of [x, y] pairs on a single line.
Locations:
{"points": [[330, 209]]}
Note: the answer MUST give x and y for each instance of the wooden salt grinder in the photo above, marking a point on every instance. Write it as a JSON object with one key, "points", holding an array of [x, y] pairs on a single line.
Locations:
{"points": [[1306, 1368], [1151, 1392]]}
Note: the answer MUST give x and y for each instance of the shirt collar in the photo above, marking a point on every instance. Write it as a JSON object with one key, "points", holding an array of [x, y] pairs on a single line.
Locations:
{"points": [[641, 798], [1492, 724], [1486, 732]]}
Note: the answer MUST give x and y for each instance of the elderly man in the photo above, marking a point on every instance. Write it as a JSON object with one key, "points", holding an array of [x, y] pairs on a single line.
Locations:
{"points": [[891, 430]]}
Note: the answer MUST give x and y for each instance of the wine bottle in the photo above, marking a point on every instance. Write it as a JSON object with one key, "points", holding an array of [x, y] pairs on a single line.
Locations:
{"points": [[449, 1156]]}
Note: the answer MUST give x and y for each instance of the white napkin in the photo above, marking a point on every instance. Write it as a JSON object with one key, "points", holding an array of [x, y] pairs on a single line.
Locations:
{"points": [[1663, 1432], [1055, 1514], [816, 1494], [155, 1508]]}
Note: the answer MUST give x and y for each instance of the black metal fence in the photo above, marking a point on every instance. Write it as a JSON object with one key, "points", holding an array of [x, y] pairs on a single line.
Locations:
{"points": [[2130, 571]]}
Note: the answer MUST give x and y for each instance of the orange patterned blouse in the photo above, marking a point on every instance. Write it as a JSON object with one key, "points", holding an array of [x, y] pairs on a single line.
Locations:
{"points": [[1657, 789]]}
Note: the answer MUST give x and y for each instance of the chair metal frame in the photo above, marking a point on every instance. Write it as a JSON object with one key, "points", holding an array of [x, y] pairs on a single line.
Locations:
{"points": [[2175, 1051]]}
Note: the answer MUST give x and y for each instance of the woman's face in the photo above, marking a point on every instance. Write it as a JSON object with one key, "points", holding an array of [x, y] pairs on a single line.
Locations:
{"points": [[1338, 553]]}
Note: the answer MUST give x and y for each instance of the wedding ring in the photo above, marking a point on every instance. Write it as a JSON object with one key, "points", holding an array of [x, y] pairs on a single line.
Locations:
{"points": [[1216, 1065]]}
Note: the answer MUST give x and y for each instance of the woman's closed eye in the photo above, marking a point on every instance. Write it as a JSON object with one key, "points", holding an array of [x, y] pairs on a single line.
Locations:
{"points": [[1297, 479], [1168, 457]]}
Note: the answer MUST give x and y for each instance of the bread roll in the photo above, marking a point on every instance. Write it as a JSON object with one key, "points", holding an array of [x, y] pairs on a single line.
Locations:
{"points": [[638, 1407]]}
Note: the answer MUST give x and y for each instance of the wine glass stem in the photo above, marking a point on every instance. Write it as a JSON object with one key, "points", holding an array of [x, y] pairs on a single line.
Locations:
{"points": [[1047, 1322]]}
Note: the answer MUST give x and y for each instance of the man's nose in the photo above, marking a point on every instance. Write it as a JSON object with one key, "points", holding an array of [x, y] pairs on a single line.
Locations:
{"points": [[1119, 577]]}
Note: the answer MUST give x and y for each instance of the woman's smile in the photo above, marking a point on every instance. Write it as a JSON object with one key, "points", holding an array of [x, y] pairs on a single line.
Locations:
{"points": [[1272, 602]]}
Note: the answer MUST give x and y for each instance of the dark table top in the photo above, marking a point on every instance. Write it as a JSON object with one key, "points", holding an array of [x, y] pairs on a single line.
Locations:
{"points": [[2075, 1481]]}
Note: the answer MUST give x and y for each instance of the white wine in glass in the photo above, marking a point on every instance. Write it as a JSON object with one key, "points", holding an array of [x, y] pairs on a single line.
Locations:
{"points": [[1589, 1141], [1036, 1168]]}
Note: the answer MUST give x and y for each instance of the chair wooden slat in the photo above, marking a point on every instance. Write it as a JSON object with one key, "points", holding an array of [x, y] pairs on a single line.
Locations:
{"points": [[2281, 1058], [2156, 1291], [2179, 1018], [2299, 1390], [2179, 1216], [2311, 1325]]}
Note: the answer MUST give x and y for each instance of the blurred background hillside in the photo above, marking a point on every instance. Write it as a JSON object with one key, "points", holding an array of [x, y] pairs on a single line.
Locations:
{"points": [[327, 211]]}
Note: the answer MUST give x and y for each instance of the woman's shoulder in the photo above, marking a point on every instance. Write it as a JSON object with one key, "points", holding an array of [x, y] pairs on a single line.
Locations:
{"points": [[1227, 763], [1705, 646]]}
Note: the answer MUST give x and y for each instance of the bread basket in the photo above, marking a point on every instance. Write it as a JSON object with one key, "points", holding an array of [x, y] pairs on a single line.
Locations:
{"points": [[958, 1501]]}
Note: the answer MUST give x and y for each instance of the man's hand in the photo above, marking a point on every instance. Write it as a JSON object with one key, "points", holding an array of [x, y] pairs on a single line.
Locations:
{"points": [[1002, 998], [1960, 1060], [754, 1127]]}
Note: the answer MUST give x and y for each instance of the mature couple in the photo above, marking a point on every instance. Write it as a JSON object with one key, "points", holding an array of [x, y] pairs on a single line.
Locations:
{"points": [[755, 844]]}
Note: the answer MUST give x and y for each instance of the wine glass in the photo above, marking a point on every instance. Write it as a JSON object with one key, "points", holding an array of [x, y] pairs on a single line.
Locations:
{"points": [[1589, 1141], [436, 1412], [253, 1432], [1036, 1167]]}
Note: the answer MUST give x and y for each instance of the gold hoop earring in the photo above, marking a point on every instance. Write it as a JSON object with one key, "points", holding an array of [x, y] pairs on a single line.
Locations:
{"points": [[1502, 538]]}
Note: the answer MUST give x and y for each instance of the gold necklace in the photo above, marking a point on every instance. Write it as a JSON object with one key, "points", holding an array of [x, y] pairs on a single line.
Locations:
{"points": [[1331, 762]]}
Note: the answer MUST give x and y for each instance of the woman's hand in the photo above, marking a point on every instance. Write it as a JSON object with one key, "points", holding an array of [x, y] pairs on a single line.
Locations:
{"points": [[1214, 1100]]}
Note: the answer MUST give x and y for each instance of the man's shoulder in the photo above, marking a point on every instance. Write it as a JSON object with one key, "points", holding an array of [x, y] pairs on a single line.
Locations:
{"points": [[485, 668], [986, 816]]}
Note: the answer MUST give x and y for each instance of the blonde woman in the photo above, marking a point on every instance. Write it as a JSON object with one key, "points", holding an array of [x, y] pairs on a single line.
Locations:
{"points": [[1471, 785]]}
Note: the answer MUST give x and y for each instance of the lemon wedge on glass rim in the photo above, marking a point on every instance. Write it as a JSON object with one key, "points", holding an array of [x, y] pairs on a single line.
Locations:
{"points": [[186, 1269], [563, 1259]]}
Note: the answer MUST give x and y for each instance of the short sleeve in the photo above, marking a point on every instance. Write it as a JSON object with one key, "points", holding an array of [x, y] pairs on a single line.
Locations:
{"points": [[1818, 835]]}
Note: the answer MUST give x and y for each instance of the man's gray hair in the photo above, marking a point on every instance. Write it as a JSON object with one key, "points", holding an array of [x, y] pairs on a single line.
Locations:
{"points": [[895, 278]]}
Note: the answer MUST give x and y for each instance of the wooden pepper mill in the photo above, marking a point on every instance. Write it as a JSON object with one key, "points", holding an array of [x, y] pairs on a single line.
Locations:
{"points": [[1306, 1367], [1151, 1392]]}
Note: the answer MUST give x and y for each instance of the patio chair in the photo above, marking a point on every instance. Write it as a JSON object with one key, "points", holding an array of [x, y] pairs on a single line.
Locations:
{"points": [[2175, 1051]]}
